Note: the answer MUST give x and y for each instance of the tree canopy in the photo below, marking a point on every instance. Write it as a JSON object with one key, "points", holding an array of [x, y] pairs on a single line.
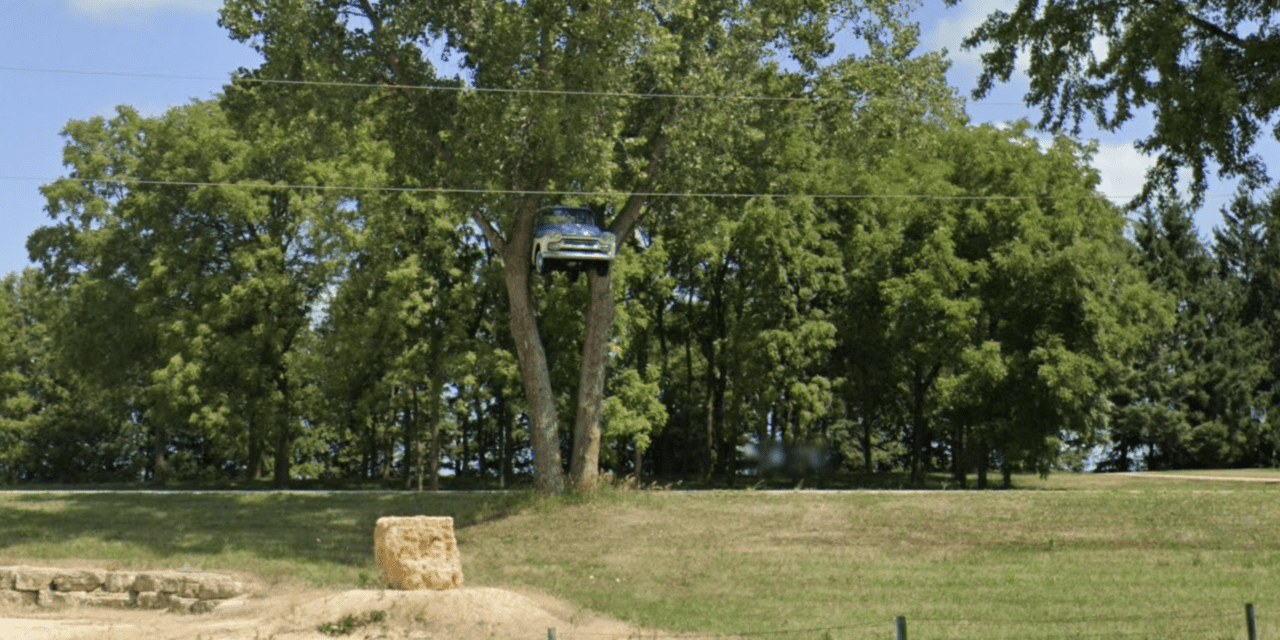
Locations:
{"points": [[324, 272], [1208, 71]]}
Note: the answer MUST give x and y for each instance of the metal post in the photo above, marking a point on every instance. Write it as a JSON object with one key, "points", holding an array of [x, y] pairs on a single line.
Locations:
{"points": [[1251, 621], [901, 624], [551, 633]]}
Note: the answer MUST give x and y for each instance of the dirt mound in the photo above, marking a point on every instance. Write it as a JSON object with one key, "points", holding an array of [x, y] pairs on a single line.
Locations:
{"points": [[295, 614]]}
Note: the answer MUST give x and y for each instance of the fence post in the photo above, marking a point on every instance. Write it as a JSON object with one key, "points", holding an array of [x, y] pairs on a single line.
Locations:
{"points": [[1251, 621], [900, 623], [551, 633]]}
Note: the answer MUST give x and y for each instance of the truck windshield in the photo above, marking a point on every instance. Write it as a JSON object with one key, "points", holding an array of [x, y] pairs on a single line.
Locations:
{"points": [[568, 216]]}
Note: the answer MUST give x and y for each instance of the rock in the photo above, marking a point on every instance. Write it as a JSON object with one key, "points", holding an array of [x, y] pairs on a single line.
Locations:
{"points": [[215, 587], [33, 578], [18, 598], [105, 599], [158, 581], [418, 552], [151, 600], [204, 606], [59, 599], [188, 587], [172, 590], [119, 582], [178, 604], [79, 579]]}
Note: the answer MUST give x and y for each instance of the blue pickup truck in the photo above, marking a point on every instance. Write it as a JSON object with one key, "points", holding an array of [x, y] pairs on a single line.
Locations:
{"points": [[572, 239]]}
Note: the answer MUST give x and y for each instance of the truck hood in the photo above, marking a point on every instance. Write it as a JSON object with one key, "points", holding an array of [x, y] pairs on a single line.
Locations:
{"points": [[569, 230]]}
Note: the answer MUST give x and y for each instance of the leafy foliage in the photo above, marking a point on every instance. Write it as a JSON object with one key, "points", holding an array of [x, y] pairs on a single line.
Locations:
{"points": [[1207, 70], [822, 260]]}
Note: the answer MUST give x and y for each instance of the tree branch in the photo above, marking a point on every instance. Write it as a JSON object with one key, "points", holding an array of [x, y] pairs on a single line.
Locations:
{"points": [[627, 220], [1203, 24], [490, 232]]}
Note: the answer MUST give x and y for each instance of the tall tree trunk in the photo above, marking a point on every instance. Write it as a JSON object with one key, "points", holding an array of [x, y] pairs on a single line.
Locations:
{"points": [[584, 469], [388, 449], [283, 430], [437, 388], [255, 446], [959, 465], [160, 442], [544, 425], [639, 463], [417, 436], [920, 438], [482, 423], [867, 425], [504, 437], [984, 451], [919, 429], [283, 453]]}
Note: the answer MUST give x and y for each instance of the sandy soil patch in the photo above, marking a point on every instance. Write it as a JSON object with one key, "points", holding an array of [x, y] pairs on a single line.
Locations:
{"points": [[462, 614]]}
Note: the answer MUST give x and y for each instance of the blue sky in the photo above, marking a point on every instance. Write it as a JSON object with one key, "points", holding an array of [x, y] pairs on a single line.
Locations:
{"points": [[181, 38]]}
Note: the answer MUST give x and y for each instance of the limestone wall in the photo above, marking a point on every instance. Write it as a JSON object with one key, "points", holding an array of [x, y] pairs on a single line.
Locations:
{"points": [[180, 591]]}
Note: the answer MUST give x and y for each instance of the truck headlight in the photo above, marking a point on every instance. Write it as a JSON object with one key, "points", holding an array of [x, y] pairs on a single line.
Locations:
{"points": [[608, 241]]}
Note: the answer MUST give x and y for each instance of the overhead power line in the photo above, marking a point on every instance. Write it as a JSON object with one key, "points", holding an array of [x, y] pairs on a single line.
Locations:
{"points": [[520, 192], [442, 87]]}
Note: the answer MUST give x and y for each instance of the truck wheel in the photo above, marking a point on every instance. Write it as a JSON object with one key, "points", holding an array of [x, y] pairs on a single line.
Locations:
{"points": [[538, 263]]}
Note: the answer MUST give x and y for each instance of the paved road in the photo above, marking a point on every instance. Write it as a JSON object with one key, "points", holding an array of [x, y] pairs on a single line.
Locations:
{"points": [[1178, 476]]}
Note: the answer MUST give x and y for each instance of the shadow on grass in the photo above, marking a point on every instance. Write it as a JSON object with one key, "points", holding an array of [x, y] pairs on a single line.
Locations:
{"points": [[317, 529]]}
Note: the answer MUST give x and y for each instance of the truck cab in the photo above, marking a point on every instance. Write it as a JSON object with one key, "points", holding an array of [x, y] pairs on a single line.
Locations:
{"points": [[573, 239]]}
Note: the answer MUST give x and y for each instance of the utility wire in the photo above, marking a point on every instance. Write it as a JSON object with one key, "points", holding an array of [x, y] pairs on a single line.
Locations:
{"points": [[525, 192], [460, 89]]}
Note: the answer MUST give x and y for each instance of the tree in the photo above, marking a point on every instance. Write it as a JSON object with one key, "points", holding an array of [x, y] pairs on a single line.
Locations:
{"points": [[999, 288], [24, 364], [1195, 390], [1248, 251], [211, 285], [576, 98], [1209, 71]]}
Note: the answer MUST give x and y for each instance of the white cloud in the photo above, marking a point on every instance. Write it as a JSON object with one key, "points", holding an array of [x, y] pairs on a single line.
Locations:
{"points": [[1123, 170], [953, 24], [114, 10]]}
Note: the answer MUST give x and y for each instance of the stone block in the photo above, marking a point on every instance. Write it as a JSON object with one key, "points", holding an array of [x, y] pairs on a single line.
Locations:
{"points": [[204, 606], [418, 552], [151, 600], [188, 587], [6, 578], [105, 599], [215, 587], [169, 581], [60, 599], [119, 582], [34, 578], [178, 604], [27, 598], [79, 579]]}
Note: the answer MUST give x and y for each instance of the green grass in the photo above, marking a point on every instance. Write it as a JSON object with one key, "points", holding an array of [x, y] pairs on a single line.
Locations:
{"points": [[350, 622], [318, 539], [1070, 556]]}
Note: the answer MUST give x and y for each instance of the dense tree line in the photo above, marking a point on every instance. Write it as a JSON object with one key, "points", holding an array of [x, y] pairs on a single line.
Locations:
{"points": [[330, 279]]}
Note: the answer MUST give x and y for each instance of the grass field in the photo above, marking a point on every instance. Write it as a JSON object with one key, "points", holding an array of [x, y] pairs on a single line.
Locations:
{"points": [[1073, 556]]}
